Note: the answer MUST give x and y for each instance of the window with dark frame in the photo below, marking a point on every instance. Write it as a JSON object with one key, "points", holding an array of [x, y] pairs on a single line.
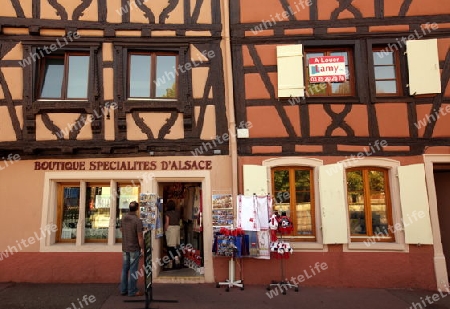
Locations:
{"points": [[64, 76], [152, 75], [332, 85], [293, 193], [369, 205], [386, 71]]}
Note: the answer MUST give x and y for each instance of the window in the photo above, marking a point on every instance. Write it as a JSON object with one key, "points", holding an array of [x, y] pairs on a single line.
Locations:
{"points": [[293, 193], [64, 76], [386, 71], [329, 72], [96, 210], [68, 212], [126, 194], [152, 75], [369, 205]]}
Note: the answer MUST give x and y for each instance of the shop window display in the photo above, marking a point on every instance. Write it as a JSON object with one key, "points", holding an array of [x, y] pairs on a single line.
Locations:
{"points": [[70, 199], [98, 212]]}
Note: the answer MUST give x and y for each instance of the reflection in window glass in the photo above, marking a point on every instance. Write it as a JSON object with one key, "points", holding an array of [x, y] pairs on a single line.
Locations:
{"points": [[126, 194], [70, 212], [385, 72], [292, 194], [53, 78], [369, 207], [328, 88], [140, 76], [77, 85], [355, 198], [98, 201], [166, 77]]}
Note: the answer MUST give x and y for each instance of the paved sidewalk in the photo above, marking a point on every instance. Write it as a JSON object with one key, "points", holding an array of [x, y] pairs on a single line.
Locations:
{"points": [[199, 296]]}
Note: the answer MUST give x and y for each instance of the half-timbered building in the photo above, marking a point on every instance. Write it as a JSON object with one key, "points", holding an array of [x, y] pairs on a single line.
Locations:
{"points": [[336, 108], [348, 104], [101, 101]]}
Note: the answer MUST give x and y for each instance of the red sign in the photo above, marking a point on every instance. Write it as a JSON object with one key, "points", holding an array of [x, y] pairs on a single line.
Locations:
{"points": [[327, 69]]}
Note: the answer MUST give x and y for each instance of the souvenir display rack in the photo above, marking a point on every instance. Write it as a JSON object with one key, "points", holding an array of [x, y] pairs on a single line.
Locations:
{"points": [[229, 242], [281, 250]]}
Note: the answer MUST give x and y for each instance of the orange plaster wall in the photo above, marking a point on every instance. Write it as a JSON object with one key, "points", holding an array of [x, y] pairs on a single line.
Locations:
{"points": [[248, 60], [300, 9], [254, 11], [266, 53], [255, 87], [266, 122], [392, 120], [320, 120], [418, 7], [443, 47], [358, 120], [293, 113], [429, 7]]}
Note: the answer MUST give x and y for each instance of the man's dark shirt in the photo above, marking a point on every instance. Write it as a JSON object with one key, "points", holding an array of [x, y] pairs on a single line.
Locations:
{"points": [[131, 226]]}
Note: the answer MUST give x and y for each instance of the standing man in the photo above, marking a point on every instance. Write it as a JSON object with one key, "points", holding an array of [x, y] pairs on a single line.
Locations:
{"points": [[132, 249]]}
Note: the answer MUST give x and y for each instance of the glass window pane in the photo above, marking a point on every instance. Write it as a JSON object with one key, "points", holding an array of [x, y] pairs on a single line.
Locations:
{"points": [[386, 72], [383, 57], [379, 216], [312, 55], [283, 207], [343, 53], [97, 212], [53, 78], [126, 194], [166, 77], [302, 181], [376, 180], [304, 219], [140, 76], [386, 86], [340, 88], [281, 180], [78, 79], [355, 198], [70, 212], [317, 89], [282, 197]]}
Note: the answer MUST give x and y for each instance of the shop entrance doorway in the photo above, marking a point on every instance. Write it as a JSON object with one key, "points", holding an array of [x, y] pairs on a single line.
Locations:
{"points": [[442, 183], [182, 204]]}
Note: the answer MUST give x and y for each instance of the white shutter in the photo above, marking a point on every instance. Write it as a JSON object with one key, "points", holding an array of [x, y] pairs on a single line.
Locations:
{"points": [[290, 71], [414, 202], [255, 180], [423, 66], [333, 204]]}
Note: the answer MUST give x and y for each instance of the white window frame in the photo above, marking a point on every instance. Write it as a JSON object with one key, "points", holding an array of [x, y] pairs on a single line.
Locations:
{"points": [[303, 246], [49, 208], [399, 235]]}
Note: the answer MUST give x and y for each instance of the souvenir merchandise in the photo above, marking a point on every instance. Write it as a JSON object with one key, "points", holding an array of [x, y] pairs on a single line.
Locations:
{"points": [[280, 249]]}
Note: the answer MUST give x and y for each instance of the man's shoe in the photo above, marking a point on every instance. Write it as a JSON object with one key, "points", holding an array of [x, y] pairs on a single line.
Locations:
{"points": [[124, 294], [138, 293]]}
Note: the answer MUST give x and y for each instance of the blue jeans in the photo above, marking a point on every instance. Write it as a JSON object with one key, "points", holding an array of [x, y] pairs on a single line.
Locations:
{"points": [[129, 277]]}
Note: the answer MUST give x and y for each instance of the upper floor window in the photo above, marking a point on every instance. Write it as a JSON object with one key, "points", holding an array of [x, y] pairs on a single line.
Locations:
{"points": [[369, 205], [64, 76], [293, 193], [152, 75], [330, 72], [386, 71]]}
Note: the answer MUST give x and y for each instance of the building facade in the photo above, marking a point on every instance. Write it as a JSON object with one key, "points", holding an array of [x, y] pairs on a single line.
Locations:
{"points": [[337, 109], [102, 101], [349, 134]]}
